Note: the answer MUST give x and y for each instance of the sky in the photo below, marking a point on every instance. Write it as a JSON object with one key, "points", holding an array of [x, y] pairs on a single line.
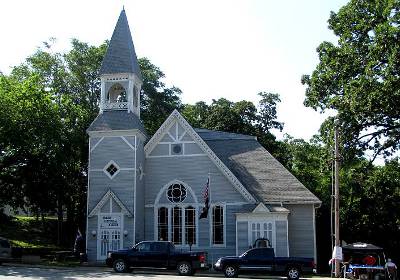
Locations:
{"points": [[208, 48]]}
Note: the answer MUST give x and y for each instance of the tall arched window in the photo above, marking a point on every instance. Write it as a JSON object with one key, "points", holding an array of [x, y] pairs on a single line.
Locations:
{"points": [[177, 222]]}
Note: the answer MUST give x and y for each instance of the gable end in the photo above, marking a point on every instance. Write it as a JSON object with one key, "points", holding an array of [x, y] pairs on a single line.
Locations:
{"points": [[199, 141]]}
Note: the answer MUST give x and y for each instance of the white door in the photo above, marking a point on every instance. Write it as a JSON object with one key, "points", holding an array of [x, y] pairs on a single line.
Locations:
{"points": [[109, 235]]}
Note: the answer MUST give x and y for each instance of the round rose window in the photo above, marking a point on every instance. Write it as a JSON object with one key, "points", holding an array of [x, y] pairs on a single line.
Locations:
{"points": [[176, 193]]}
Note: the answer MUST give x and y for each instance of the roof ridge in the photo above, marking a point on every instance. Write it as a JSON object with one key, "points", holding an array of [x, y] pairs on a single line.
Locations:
{"points": [[205, 130]]}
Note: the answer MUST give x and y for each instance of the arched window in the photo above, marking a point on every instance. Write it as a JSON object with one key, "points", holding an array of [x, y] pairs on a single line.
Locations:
{"points": [[177, 219], [176, 193], [117, 93]]}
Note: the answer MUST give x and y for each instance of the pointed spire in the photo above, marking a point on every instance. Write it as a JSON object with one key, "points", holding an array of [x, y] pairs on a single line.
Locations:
{"points": [[120, 56]]}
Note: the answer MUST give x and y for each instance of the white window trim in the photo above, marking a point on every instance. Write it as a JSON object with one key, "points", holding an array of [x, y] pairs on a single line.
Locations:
{"points": [[262, 217], [223, 205], [261, 221], [164, 191], [195, 204], [182, 206], [107, 165]]}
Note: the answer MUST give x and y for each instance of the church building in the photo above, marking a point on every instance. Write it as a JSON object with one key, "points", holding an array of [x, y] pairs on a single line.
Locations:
{"points": [[143, 188]]}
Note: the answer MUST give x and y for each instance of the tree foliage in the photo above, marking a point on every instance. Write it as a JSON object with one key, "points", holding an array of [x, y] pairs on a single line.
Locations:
{"points": [[369, 196], [157, 100], [240, 117], [47, 103], [359, 77]]}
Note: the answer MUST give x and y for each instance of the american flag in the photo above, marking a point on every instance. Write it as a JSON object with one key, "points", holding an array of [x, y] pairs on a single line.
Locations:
{"points": [[206, 197]]}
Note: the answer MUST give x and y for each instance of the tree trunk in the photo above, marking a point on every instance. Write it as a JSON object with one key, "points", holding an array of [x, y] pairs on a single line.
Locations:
{"points": [[59, 221]]}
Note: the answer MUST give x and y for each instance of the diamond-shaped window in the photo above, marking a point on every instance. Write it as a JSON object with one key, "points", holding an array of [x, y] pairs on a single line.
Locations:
{"points": [[111, 169]]}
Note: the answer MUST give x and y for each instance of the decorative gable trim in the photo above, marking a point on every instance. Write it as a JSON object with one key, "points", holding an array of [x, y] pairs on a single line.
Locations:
{"points": [[261, 208], [109, 195], [188, 128]]}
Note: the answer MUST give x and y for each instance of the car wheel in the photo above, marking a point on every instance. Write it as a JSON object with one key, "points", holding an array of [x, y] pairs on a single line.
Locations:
{"points": [[120, 266], [184, 268], [230, 271], [293, 273]]}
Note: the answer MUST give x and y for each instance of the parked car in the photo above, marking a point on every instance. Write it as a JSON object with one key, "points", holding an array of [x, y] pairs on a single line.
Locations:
{"points": [[263, 260], [5, 250], [157, 254]]}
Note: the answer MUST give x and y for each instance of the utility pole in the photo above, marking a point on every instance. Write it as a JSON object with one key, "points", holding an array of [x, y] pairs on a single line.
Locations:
{"points": [[337, 239]]}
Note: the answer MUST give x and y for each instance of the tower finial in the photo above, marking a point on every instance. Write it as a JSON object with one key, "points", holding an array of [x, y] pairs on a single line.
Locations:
{"points": [[123, 7]]}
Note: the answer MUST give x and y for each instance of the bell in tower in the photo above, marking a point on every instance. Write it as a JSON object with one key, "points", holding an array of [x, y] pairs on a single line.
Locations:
{"points": [[121, 80]]}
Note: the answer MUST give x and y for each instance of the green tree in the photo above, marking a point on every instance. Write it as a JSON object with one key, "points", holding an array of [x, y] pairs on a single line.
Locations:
{"points": [[48, 103], [359, 76], [157, 100], [241, 117], [311, 163]]}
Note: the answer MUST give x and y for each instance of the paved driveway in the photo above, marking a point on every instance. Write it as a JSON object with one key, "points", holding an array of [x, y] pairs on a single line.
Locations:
{"points": [[12, 272]]}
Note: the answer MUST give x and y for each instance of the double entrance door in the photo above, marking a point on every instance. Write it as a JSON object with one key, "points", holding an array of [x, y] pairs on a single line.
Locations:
{"points": [[109, 235]]}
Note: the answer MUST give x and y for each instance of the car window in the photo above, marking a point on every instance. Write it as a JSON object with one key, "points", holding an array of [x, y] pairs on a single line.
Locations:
{"points": [[259, 253], [268, 253], [143, 247], [159, 247], [253, 254], [4, 243]]}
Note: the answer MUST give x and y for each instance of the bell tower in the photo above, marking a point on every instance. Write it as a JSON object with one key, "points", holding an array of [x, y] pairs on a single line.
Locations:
{"points": [[120, 76], [115, 197]]}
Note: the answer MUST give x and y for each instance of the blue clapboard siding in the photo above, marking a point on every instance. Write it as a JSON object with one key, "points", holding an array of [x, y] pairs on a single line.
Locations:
{"points": [[139, 215], [194, 172], [243, 237], [92, 240], [281, 239], [128, 225], [160, 150], [301, 230], [112, 148], [121, 185], [149, 224], [192, 148], [93, 141]]}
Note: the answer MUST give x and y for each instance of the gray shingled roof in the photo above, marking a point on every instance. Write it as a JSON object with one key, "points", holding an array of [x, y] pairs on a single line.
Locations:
{"points": [[116, 120], [120, 56], [263, 176]]}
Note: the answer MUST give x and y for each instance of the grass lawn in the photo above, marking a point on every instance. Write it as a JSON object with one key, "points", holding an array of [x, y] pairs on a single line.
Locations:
{"points": [[27, 232]]}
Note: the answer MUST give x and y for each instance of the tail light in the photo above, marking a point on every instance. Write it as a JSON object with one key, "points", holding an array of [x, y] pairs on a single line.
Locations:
{"points": [[313, 264], [202, 258]]}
